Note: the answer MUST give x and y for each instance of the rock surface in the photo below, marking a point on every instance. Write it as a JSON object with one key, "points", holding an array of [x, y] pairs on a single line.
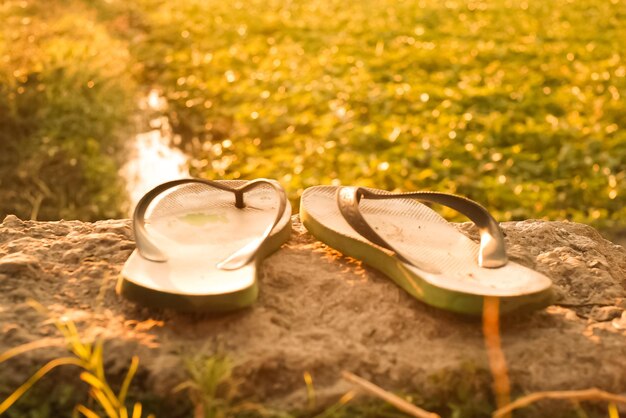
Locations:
{"points": [[318, 312]]}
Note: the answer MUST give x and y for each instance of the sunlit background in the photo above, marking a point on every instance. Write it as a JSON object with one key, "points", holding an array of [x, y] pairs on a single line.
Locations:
{"points": [[517, 104]]}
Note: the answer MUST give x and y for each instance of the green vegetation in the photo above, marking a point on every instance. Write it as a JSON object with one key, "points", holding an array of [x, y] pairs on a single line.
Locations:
{"points": [[65, 99], [518, 105], [89, 358], [212, 389], [212, 393]]}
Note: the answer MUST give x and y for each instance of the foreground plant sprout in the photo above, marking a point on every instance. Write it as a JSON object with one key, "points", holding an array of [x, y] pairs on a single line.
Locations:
{"points": [[88, 357]]}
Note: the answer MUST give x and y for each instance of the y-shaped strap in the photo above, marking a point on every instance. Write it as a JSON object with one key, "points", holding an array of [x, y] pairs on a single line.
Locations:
{"points": [[241, 257], [492, 253]]}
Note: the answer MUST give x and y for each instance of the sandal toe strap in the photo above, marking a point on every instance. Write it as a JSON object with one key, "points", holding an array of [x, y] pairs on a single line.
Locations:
{"points": [[492, 251]]}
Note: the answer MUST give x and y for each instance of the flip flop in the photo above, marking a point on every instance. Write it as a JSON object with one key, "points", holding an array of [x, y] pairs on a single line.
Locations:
{"points": [[420, 250], [200, 247]]}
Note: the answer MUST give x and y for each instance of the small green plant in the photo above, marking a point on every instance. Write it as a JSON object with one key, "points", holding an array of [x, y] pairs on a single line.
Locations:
{"points": [[88, 357], [50, 398], [210, 385], [212, 389]]}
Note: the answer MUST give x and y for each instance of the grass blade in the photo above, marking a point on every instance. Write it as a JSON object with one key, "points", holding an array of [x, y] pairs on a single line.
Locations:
{"points": [[86, 411], [389, 397], [102, 399], [24, 348], [96, 360], [593, 394], [134, 363], [81, 350], [333, 409], [91, 380], [310, 390], [6, 404], [102, 386], [136, 410]]}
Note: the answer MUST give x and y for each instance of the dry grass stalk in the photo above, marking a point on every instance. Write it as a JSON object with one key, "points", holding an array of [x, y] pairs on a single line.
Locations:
{"points": [[592, 394], [497, 361], [394, 400]]}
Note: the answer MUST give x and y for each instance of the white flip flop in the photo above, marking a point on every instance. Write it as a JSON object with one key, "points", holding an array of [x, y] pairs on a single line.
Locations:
{"points": [[199, 243], [421, 251]]}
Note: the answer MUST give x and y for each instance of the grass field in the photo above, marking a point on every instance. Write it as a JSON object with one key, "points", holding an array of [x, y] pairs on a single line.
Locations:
{"points": [[518, 105]]}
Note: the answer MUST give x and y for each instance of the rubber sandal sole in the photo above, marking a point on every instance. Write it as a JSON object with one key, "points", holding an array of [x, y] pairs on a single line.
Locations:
{"points": [[196, 239], [320, 214]]}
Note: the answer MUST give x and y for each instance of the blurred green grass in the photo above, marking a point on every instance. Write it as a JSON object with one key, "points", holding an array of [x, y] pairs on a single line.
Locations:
{"points": [[65, 97], [516, 104]]}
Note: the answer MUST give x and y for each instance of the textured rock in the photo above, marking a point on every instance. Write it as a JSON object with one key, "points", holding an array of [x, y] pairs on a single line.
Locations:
{"points": [[319, 312]]}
